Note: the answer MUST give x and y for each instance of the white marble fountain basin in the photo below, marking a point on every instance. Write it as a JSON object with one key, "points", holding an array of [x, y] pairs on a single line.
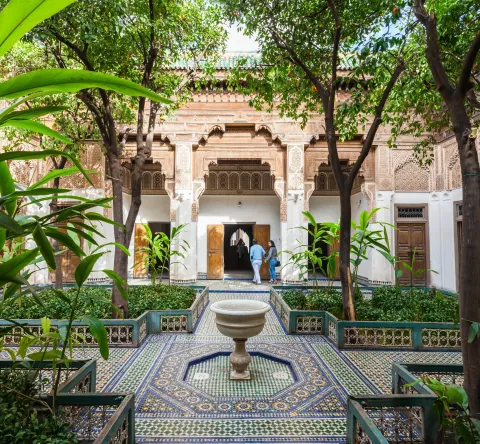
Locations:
{"points": [[240, 318]]}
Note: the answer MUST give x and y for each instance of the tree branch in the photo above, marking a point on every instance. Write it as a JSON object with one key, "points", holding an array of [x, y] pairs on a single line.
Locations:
{"points": [[432, 51], [377, 120], [464, 83]]}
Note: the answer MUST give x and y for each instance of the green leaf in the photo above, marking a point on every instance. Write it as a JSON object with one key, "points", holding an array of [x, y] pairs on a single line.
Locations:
{"points": [[65, 240], [45, 246], [46, 324], [54, 174], [474, 331], [12, 288], [10, 269], [46, 355], [20, 16], [33, 155], [80, 233], [72, 81], [463, 431], [31, 113], [99, 217], [8, 223], [29, 193], [118, 281], [7, 186], [457, 395], [85, 267], [36, 127], [116, 244], [98, 331], [310, 218]]}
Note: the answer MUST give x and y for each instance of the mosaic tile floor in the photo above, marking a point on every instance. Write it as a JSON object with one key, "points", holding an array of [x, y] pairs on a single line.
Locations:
{"points": [[297, 394]]}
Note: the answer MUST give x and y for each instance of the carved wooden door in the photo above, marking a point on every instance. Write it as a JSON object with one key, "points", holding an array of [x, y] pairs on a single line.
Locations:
{"points": [[215, 235], [411, 238], [262, 234], [68, 260], [139, 269]]}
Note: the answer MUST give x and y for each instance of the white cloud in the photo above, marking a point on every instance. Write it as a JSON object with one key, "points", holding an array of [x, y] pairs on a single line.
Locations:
{"points": [[237, 41]]}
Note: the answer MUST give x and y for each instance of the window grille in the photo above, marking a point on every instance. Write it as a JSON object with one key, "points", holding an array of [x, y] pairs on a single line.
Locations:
{"points": [[411, 212]]}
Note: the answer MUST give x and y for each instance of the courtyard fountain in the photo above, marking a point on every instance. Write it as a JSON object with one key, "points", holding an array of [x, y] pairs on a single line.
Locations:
{"points": [[240, 320]]}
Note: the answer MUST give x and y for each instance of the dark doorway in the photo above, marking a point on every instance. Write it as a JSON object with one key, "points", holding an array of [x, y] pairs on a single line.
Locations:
{"points": [[161, 227], [235, 260]]}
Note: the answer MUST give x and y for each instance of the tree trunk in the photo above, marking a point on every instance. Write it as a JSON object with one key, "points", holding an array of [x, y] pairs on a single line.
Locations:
{"points": [[469, 291], [344, 256], [120, 262]]}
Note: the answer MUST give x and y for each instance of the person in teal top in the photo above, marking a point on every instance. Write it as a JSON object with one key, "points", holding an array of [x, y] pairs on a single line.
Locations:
{"points": [[257, 253]]}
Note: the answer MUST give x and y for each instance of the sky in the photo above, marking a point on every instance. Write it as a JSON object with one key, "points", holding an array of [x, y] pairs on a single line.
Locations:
{"points": [[239, 42]]}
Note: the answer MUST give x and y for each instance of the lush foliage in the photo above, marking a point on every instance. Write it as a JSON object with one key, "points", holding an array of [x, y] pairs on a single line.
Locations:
{"points": [[22, 417], [387, 304], [165, 297], [96, 301]]}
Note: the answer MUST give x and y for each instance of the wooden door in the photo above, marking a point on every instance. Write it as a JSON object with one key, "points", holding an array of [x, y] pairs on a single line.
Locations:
{"points": [[411, 238], [139, 269], [335, 248], [262, 234], [68, 260], [215, 235]]}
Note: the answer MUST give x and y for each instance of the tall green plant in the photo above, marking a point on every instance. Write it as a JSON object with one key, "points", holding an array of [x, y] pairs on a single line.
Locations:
{"points": [[364, 239], [159, 252], [304, 256]]}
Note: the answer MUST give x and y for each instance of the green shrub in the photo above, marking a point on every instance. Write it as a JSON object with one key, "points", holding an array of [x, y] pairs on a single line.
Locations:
{"points": [[295, 299], [159, 297], [387, 304], [22, 419], [96, 301]]}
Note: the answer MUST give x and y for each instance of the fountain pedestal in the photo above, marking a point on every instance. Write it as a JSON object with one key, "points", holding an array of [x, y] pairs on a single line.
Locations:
{"points": [[240, 319], [240, 359]]}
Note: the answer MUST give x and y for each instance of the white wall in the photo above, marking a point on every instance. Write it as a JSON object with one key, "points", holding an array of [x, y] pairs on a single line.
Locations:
{"points": [[225, 209], [441, 232], [325, 208]]}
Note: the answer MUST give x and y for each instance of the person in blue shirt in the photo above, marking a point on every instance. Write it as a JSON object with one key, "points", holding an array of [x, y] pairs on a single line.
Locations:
{"points": [[257, 253]]}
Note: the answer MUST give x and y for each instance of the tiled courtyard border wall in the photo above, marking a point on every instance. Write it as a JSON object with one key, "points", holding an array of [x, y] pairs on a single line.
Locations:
{"points": [[366, 334], [406, 414], [99, 418], [125, 332]]}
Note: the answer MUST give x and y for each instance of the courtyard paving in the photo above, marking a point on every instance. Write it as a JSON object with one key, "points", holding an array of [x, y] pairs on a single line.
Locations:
{"points": [[298, 391]]}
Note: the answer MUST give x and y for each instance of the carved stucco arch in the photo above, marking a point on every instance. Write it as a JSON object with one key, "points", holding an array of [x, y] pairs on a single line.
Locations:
{"points": [[219, 127], [276, 137]]}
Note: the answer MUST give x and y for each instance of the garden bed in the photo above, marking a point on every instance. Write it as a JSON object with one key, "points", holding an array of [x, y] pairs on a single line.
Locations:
{"points": [[121, 332], [364, 334], [83, 415]]}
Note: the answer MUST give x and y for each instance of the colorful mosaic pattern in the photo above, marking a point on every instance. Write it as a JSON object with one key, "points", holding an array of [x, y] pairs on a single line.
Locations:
{"points": [[297, 394]]}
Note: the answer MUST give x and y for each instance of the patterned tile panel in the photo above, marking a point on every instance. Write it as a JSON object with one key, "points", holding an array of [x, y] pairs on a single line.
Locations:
{"points": [[377, 365]]}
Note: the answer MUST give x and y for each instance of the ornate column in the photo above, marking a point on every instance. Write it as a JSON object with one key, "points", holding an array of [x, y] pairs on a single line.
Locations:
{"points": [[293, 237], [183, 211]]}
